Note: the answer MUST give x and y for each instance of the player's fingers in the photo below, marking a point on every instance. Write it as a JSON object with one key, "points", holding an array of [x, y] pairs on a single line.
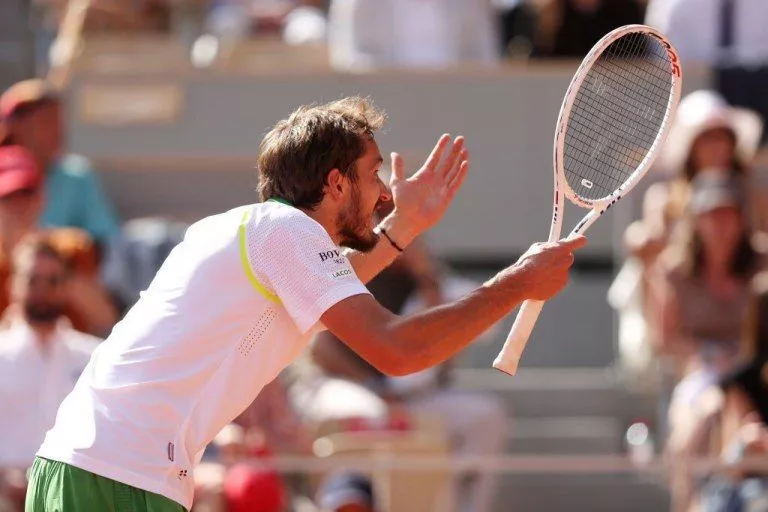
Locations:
{"points": [[453, 156], [451, 174], [455, 184], [573, 243], [437, 152], [398, 168]]}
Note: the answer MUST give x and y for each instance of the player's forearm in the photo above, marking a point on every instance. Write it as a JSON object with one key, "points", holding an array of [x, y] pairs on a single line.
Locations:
{"points": [[436, 334], [368, 265]]}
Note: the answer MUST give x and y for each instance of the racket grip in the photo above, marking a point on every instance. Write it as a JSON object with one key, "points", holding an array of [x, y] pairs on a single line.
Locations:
{"points": [[510, 354]]}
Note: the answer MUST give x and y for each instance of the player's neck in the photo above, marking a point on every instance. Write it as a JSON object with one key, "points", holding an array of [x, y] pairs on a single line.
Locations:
{"points": [[326, 217]]}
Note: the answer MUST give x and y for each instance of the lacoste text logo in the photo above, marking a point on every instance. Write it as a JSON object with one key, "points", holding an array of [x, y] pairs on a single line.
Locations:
{"points": [[341, 273]]}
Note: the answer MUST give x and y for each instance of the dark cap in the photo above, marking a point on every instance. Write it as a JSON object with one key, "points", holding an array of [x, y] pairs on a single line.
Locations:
{"points": [[713, 189]]}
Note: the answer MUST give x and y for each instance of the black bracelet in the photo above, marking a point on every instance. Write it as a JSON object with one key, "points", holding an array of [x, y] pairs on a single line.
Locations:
{"points": [[384, 232]]}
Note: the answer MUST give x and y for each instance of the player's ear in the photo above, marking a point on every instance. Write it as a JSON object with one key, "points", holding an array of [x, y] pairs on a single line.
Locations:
{"points": [[335, 183]]}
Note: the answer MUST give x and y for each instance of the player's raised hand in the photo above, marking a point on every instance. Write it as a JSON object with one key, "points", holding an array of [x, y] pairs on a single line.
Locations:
{"points": [[544, 267], [424, 197]]}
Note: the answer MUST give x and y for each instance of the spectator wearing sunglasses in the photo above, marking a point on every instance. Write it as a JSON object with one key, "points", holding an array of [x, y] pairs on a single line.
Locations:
{"points": [[41, 356]]}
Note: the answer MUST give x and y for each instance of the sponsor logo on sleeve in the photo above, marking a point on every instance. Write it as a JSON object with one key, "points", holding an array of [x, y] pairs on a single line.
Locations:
{"points": [[329, 255], [334, 256]]}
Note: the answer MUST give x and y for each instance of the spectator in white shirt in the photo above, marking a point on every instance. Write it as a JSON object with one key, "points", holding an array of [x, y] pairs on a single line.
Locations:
{"points": [[41, 356], [695, 28], [365, 34]]}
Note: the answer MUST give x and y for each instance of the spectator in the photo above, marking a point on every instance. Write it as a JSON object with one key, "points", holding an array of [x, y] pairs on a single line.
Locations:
{"points": [[21, 198], [695, 28], [727, 37], [269, 425], [482, 427], [707, 134], [277, 425], [730, 422], [569, 28], [41, 356], [657, 13], [517, 19], [414, 282], [346, 492], [31, 116], [365, 35], [702, 290], [246, 487], [296, 21]]}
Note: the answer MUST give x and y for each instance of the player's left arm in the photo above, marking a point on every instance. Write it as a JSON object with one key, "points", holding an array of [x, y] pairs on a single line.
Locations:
{"points": [[420, 202]]}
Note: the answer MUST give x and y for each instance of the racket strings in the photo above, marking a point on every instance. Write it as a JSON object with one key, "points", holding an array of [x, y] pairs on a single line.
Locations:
{"points": [[614, 110], [616, 116]]}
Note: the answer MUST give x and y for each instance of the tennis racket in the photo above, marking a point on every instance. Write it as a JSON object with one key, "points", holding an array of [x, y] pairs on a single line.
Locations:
{"points": [[613, 120]]}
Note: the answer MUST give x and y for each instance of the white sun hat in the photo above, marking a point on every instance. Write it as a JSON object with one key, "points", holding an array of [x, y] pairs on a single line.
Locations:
{"points": [[704, 110]]}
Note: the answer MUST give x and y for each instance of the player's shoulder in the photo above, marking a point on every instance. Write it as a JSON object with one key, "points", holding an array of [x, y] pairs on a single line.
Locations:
{"points": [[273, 217]]}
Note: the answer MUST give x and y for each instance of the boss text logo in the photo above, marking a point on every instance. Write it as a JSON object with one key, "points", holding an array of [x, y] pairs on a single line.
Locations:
{"points": [[327, 255]]}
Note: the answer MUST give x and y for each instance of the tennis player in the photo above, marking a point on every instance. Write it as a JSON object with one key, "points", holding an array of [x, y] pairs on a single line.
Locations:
{"points": [[242, 295]]}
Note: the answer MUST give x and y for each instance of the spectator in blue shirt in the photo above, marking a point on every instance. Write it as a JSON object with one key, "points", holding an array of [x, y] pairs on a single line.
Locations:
{"points": [[31, 116]]}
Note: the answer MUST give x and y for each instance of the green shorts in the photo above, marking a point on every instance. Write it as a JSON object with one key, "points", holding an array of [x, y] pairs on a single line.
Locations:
{"points": [[59, 487]]}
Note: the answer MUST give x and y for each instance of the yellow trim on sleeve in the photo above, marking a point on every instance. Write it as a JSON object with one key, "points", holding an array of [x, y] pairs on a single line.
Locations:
{"points": [[242, 237]]}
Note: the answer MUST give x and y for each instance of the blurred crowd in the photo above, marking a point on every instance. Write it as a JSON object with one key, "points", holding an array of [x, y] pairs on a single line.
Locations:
{"points": [[692, 295], [691, 298], [362, 34]]}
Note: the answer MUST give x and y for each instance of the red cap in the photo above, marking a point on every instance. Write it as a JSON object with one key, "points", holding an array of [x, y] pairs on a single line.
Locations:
{"points": [[249, 489], [18, 170]]}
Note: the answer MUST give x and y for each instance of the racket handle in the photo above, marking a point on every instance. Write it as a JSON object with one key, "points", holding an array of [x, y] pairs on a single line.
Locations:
{"points": [[510, 354]]}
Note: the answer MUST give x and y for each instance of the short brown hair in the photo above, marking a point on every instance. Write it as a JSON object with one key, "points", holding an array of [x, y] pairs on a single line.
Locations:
{"points": [[296, 156], [37, 244]]}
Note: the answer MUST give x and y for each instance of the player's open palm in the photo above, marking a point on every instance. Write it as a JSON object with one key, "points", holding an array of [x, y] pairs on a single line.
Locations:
{"points": [[545, 266], [424, 197]]}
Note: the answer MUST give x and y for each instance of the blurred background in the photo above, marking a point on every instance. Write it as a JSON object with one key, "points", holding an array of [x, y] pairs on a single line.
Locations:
{"points": [[643, 387]]}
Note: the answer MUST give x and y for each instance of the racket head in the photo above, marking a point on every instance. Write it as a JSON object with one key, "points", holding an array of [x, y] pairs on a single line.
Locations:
{"points": [[615, 116]]}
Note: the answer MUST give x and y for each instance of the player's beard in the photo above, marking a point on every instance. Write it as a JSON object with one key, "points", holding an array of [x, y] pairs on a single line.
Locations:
{"points": [[355, 229], [42, 312]]}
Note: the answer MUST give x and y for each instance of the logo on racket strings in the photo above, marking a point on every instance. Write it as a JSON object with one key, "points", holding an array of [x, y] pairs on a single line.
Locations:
{"points": [[674, 61]]}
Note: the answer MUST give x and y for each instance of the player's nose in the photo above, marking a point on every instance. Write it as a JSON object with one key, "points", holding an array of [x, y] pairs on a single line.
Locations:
{"points": [[385, 195]]}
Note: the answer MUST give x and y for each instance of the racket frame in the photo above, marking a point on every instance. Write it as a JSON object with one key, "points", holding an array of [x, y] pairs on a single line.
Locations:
{"points": [[509, 357]]}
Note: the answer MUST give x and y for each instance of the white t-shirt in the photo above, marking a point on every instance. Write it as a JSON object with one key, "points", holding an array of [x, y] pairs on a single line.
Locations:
{"points": [[694, 28], [422, 34], [33, 382], [235, 302]]}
